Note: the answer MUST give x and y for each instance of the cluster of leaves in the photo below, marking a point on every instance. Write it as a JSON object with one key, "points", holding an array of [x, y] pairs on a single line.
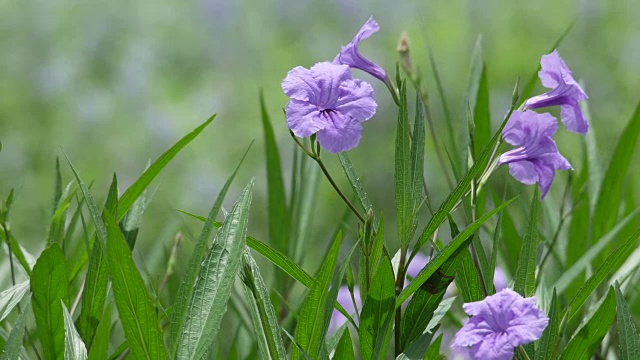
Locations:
{"points": [[593, 255]]}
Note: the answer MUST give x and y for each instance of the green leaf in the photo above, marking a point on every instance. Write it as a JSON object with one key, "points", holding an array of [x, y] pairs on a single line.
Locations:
{"points": [[13, 346], [55, 232], [135, 307], [11, 297], [612, 261], [344, 351], [586, 341], [570, 275], [445, 208], [263, 315], [49, 285], [377, 313], [628, 337], [213, 287], [278, 215], [185, 291], [467, 277], [57, 187], [525, 277], [94, 294], [402, 174], [418, 346], [100, 348], [354, 180], [546, 348], [74, 347], [433, 352], [611, 192], [451, 131], [313, 317], [463, 239], [417, 165]]}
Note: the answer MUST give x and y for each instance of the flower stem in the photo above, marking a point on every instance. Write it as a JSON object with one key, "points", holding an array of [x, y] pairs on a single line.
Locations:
{"points": [[337, 189]]}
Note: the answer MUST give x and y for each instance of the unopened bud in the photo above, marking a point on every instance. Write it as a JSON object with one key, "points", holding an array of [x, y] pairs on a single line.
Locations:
{"points": [[404, 52]]}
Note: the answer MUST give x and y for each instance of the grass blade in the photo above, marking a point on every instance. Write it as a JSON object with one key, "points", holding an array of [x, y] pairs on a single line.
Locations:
{"points": [[417, 165], [377, 313], [402, 173], [460, 241], [11, 297], [586, 341], [49, 285], [212, 289], [525, 282], [186, 288], [74, 347], [628, 337], [263, 314]]}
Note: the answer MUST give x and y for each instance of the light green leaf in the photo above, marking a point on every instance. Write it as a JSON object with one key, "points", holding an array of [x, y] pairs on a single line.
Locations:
{"points": [[212, 289], [525, 281], [100, 348], [354, 180], [13, 346], [546, 348], [628, 338], [586, 341], [263, 314], [417, 166], [185, 291], [50, 285], [344, 350], [11, 297], [377, 313], [74, 347]]}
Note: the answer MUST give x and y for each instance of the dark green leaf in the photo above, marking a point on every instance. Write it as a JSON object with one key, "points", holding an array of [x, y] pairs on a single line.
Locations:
{"points": [[402, 173], [467, 277], [49, 285], [525, 281], [213, 286], [546, 348], [417, 165], [100, 348], [377, 313], [344, 351]]}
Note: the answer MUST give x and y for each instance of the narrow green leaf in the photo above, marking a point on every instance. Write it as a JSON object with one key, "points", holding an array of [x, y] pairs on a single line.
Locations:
{"points": [[402, 174], [130, 224], [420, 348], [186, 288], [606, 211], [433, 352], [354, 180], [55, 232], [11, 297], [467, 277], [100, 348], [586, 341], [525, 282], [213, 286], [263, 314], [57, 187], [612, 261], [344, 351], [74, 347], [50, 285], [546, 348], [135, 307], [417, 165], [311, 329], [462, 240], [445, 208], [13, 346], [377, 313], [418, 314], [570, 275], [278, 216], [137, 188], [628, 337]]}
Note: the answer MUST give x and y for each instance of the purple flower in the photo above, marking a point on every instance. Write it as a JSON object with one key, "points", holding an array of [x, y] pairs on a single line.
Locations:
{"points": [[537, 157], [500, 323], [500, 279], [349, 54], [566, 93], [325, 100], [344, 299]]}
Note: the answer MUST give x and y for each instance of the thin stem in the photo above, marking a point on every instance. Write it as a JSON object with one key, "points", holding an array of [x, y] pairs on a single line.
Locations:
{"points": [[7, 235], [337, 189]]}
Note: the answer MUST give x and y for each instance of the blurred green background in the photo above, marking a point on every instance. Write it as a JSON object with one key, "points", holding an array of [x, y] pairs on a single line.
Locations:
{"points": [[115, 83]]}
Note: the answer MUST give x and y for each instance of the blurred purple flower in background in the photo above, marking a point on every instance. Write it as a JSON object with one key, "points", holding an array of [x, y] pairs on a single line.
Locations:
{"points": [[349, 54], [566, 93], [537, 157], [344, 299], [326, 100], [500, 323]]}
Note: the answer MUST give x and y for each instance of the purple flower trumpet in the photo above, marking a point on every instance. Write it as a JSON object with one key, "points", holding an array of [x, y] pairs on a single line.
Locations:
{"points": [[499, 324], [566, 93], [349, 54], [536, 158]]}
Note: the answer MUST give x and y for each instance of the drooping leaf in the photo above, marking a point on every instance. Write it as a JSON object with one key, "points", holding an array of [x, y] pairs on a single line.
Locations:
{"points": [[11, 297], [585, 342], [50, 285], [74, 347], [628, 338], [186, 288], [213, 286], [525, 274], [377, 314]]}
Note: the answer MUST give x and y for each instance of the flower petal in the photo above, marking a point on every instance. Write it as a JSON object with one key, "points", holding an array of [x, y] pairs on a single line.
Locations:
{"points": [[349, 54], [528, 322], [335, 140], [304, 119], [494, 347], [329, 77], [524, 171], [573, 118], [300, 85], [356, 100]]}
